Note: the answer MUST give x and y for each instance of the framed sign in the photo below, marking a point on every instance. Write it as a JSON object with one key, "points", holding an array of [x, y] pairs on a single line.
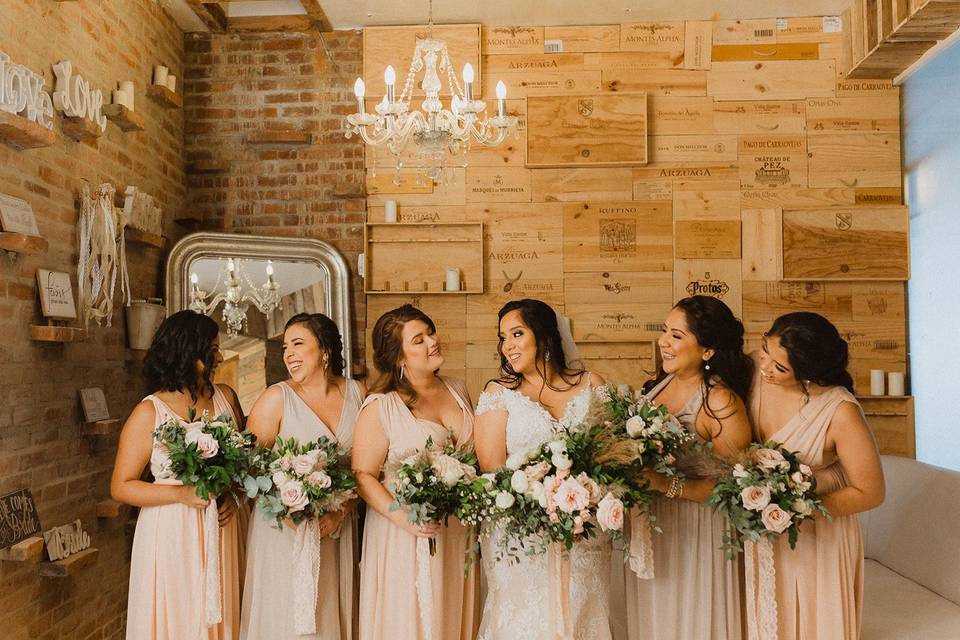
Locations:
{"points": [[94, 404], [18, 518], [16, 215], [56, 295]]}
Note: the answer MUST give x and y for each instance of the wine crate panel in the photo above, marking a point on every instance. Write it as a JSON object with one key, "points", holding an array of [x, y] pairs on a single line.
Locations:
{"points": [[823, 29], [590, 130], [698, 42], [448, 314], [545, 83], [716, 278], [618, 322], [477, 379], [865, 243], [892, 422], [854, 114], [386, 182], [444, 193], [766, 117], [670, 115], [773, 161], [778, 51], [415, 213], [693, 149], [511, 40], [762, 234], [854, 159], [848, 88], [764, 302], [616, 287], [627, 61], [706, 239], [878, 195], [664, 39], [384, 46], [617, 236], [534, 62], [794, 198], [745, 31], [777, 80], [663, 82], [578, 185], [630, 363], [873, 301], [581, 39], [498, 184]]}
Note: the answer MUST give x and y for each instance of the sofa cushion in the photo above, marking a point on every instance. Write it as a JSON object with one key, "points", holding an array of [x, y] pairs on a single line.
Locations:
{"points": [[895, 608], [915, 531]]}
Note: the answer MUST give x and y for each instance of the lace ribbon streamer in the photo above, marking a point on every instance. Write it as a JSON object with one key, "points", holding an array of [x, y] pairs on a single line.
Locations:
{"points": [[761, 574], [641, 545], [211, 575], [558, 581], [306, 563], [424, 585]]}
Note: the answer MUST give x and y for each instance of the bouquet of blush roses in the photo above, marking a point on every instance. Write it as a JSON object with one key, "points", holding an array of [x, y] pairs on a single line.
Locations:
{"points": [[208, 454], [433, 484], [767, 493], [301, 481]]}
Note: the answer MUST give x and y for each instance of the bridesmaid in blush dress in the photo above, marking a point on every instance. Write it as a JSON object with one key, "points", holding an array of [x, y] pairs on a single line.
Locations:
{"points": [[405, 593], [802, 397], [167, 597], [281, 585]]}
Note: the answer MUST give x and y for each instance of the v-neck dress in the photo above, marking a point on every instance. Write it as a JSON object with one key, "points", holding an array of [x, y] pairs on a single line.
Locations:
{"points": [[695, 591], [389, 604], [268, 595], [820, 582]]}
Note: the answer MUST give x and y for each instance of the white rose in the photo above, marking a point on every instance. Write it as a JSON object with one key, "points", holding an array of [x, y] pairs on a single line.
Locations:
{"points": [[805, 470], [491, 482], [279, 479], [775, 519], [206, 444], [769, 459], [519, 481], [536, 490], [561, 461], [802, 507], [303, 464], [635, 426], [514, 460], [739, 471], [293, 496], [610, 513], [756, 497], [656, 423], [319, 479], [449, 469], [800, 482], [557, 446], [505, 500]]}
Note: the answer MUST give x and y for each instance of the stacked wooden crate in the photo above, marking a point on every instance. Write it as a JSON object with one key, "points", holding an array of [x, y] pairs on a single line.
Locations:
{"points": [[772, 181]]}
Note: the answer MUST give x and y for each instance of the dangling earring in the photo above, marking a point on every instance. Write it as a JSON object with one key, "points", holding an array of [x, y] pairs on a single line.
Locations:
{"points": [[707, 366], [546, 356], [402, 367]]}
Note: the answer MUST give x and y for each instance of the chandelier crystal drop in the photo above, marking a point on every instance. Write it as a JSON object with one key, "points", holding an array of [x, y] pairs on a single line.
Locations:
{"points": [[236, 300], [437, 133]]}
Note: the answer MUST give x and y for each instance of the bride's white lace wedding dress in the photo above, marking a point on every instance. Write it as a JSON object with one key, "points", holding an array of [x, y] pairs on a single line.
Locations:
{"points": [[517, 605]]}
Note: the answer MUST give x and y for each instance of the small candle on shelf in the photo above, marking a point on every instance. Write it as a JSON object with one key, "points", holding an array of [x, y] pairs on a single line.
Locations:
{"points": [[895, 383], [172, 83], [876, 382], [120, 97], [127, 87], [390, 211], [160, 74], [452, 279]]}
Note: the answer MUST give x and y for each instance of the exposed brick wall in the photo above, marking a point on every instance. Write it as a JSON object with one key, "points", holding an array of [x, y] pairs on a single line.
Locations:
{"points": [[41, 446], [240, 85]]}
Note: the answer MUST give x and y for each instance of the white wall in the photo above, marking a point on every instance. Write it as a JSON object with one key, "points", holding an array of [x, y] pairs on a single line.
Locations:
{"points": [[931, 150]]}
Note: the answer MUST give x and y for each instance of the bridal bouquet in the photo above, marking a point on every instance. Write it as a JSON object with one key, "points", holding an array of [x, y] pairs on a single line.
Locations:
{"points": [[433, 484], [300, 481], [767, 493], [208, 454]]}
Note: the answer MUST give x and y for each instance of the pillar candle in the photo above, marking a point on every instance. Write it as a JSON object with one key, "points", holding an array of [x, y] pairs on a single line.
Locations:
{"points": [[390, 211], [895, 383], [119, 97], [876, 382], [127, 87], [452, 279], [160, 74], [172, 83]]}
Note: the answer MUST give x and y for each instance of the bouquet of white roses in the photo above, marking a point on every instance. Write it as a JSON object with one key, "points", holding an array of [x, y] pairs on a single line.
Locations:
{"points": [[767, 493], [301, 481]]}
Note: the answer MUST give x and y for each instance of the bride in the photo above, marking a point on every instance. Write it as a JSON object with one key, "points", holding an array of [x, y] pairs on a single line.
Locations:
{"points": [[536, 395]]}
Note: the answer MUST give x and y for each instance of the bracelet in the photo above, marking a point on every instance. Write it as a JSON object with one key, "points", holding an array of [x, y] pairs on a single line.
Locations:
{"points": [[676, 488]]}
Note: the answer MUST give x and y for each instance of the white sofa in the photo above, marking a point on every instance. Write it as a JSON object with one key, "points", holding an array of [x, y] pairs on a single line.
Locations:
{"points": [[912, 546]]}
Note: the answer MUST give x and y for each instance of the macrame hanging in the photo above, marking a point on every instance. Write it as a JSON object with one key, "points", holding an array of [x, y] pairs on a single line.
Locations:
{"points": [[102, 255]]}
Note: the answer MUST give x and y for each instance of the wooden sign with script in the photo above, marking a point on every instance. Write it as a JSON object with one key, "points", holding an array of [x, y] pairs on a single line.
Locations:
{"points": [[94, 404], [604, 130], [56, 295], [66, 540], [16, 215], [18, 518]]}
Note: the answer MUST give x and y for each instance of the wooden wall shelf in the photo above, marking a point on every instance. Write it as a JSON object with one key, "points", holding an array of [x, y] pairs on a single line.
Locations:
{"points": [[49, 333], [124, 118], [145, 238], [29, 550], [81, 129], [164, 97], [21, 243], [280, 137], [101, 427], [392, 248], [69, 566], [21, 133]]}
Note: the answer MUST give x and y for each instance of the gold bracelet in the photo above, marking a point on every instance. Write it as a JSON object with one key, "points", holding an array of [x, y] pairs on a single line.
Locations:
{"points": [[676, 488]]}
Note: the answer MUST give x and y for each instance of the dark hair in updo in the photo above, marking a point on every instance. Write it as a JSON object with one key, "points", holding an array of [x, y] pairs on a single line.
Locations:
{"points": [[715, 327], [542, 321], [388, 351], [171, 361], [815, 348], [327, 334]]}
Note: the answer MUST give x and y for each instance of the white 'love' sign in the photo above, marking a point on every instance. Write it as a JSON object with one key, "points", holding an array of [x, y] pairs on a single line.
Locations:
{"points": [[21, 90], [74, 97]]}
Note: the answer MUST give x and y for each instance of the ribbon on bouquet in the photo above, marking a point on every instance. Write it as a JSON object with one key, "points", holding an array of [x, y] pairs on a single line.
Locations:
{"points": [[641, 545], [306, 567], [211, 574], [424, 585], [558, 582], [761, 574]]}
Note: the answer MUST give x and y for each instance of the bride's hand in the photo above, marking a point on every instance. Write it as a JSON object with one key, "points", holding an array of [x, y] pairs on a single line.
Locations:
{"points": [[426, 530]]}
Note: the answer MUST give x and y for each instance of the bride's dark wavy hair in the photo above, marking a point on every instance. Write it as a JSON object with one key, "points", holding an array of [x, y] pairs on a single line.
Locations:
{"points": [[816, 350], [715, 327], [541, 319], [181, 340]]}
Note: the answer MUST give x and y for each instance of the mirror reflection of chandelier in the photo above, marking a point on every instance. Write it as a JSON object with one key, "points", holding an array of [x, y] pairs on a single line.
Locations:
{"points": [[437, 133], [235, 297]]}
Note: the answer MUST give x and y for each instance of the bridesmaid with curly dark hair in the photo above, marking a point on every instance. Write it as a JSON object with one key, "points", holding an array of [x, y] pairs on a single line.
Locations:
{"points": [[166, 599]]}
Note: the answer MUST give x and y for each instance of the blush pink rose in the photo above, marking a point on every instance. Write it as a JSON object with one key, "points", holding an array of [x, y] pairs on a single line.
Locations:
{"points": [[319, 479], [775, 519], [610, 513], [572, 496], [537, 471], [303, 463], [206, 444], [769, 459], [755, 497], [293, 496]]}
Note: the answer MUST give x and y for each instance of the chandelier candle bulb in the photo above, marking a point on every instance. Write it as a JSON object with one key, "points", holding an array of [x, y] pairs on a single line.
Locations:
{"points": [[160, 74], [501, 98], [895, 383], [452, 279], [468, 81], [359, 89], [390, 211], [876, 382], [390, 77]]}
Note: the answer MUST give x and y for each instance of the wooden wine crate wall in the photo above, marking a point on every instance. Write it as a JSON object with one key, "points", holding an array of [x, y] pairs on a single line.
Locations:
{"points": [[771, 182]]}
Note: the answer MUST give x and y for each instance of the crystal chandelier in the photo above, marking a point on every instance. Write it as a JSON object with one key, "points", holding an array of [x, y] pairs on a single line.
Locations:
{"points": [[437, 133], [235, 299]]}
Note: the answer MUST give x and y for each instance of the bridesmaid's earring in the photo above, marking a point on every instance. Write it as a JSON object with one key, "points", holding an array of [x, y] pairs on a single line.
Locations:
{"points": [[546, 357], [707, 366], [402, 367]]}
